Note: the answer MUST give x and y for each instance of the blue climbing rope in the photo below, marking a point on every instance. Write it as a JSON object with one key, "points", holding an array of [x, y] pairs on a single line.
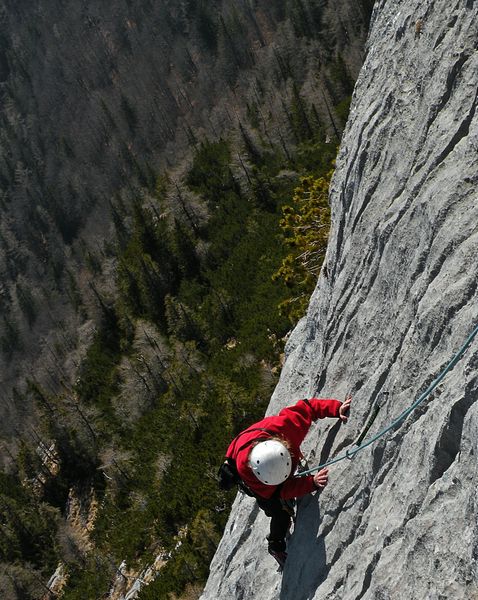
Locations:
{"points": [[352, 452]]}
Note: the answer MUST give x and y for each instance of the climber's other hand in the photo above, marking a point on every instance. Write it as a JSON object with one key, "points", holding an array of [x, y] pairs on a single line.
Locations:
{"points": [[321, 479]]}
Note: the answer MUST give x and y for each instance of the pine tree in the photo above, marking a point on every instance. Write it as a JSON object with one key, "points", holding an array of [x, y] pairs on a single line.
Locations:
{"points": [[305, 226]]}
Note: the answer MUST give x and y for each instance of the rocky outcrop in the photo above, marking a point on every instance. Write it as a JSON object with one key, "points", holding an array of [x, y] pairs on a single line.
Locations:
{"points": [[400, 297]]}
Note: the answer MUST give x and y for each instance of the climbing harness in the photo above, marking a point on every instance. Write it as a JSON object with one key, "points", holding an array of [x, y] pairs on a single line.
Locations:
{"points": [[375, 408]]}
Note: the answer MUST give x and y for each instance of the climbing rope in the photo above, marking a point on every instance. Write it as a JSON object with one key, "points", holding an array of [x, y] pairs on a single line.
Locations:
{"points": [[355, 450]]}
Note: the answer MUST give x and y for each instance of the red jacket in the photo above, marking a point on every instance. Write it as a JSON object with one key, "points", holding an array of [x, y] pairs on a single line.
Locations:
{"points": [[291, 424]]}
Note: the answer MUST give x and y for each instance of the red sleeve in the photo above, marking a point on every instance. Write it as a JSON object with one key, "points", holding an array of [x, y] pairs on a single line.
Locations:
{"points": [[296, 420], [295, 487], [324, 407]]}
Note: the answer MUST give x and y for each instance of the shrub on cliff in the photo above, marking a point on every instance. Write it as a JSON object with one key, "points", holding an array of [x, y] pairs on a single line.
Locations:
{"points": [[305, 226]]}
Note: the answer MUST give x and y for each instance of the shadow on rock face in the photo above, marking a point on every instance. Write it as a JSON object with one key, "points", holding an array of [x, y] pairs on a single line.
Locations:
{"points": [[306, 566]]}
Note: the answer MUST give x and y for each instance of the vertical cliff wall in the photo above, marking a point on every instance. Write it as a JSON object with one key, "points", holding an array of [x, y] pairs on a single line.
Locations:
{"points": [[397, 298]]}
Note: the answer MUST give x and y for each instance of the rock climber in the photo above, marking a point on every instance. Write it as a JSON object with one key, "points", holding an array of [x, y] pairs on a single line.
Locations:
{"points": [[263, 460]]}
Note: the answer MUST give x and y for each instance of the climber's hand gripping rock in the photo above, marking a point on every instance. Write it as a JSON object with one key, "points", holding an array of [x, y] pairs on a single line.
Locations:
{"points": [[344, 409]]}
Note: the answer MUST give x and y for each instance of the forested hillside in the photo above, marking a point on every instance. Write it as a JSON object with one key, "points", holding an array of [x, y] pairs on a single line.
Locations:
{"points": [[157, 163]]}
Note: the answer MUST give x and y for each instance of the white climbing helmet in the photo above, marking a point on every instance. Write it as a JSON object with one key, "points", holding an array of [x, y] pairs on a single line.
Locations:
{"points": [[270, 462]]}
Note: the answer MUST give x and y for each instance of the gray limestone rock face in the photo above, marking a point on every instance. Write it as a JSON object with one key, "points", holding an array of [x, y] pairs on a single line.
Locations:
{"points": [[399, 521]]}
